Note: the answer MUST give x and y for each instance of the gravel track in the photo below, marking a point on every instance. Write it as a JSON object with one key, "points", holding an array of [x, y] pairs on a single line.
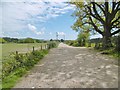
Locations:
{"points": [[72, 67]]}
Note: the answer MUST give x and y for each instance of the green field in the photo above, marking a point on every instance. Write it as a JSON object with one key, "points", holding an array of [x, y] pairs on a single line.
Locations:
{"points": [[21, 48], [13, 67]]}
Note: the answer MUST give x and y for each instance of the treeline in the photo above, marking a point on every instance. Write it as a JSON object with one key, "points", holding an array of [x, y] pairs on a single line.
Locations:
{"points": [[114, 40], [16, 40], [99, 40]]}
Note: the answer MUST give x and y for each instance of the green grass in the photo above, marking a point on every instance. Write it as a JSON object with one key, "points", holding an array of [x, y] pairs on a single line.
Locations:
{"points": [[87, 44], [17, 65], [12, 78], [113, 53], [110, 52], [92, 44], [21, 48]]}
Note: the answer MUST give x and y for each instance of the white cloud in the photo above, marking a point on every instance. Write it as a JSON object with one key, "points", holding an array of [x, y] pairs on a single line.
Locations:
{"points": [[61, 33], [35, 0], [34, 30], [50, 33], [17, 15]]}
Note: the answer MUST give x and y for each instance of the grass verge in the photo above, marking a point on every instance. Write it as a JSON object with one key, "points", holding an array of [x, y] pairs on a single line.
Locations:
{"points": [[18, 66], [109, 52]]}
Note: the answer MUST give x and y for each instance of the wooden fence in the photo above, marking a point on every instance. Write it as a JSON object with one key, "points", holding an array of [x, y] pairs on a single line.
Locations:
{"points": [[41, 47]]}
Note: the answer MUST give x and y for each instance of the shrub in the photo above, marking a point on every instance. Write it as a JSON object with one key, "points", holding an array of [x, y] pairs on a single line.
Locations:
{"points": [[2, 40], [22, 61], [52, 45]]}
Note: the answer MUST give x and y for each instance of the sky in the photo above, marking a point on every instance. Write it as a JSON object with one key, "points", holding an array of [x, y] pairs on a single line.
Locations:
{"points": [[39, 19]]}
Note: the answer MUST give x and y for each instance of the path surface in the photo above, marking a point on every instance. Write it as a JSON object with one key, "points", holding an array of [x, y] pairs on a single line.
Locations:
{"points": [[70, 67]]}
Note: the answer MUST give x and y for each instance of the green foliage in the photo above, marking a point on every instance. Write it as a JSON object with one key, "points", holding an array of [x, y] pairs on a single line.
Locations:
{"points": [[83, 38], [75, 43], [9, 48], [51, 39], [26, 40], [7, 39], [95, 15], [62, 40], [72, 43], [9, 81], [117, 44], [52, 45], [31, 40], [15, 68], [111, 52], [18, 64], [102, 17], [2, 40]]}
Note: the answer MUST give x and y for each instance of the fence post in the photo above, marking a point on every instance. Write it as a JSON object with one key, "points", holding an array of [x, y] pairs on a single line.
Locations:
{"points": [[41, 47], [33, 49], [49, 46], [16, 52], [16, 56]]}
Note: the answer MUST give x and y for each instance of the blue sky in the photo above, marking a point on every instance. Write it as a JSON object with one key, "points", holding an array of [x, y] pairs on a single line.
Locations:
{"points": [[37, 19]]}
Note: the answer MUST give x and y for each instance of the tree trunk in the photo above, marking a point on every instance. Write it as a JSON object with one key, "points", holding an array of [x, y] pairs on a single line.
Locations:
{"points": [[106, 44]]}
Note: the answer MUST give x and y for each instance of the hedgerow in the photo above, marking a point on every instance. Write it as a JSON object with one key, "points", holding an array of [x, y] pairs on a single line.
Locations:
{"points": [[21, 61], [17, 64]]}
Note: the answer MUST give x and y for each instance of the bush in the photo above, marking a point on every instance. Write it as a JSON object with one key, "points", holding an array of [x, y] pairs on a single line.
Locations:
{"points": [[117, 44], [2, 40], [27, 60], [52, 45], [75, 43], [22, 60], [72, 43]]}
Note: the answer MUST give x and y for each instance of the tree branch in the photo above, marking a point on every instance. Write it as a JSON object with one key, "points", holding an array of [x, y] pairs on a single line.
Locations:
{"points": [[95, 27], [114, 10], [115, 20], [86, 23], [115, 26], [116, 32], [106, 7], [100, 6], [96, 13], [113, 5], [90, 11], [117, 5]]}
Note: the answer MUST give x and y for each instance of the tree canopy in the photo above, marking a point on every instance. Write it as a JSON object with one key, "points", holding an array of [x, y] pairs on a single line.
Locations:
{"points": [[103, 17]]}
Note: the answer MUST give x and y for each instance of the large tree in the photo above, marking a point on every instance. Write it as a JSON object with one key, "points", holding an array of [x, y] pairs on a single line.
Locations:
{"points": [[103, 17]]}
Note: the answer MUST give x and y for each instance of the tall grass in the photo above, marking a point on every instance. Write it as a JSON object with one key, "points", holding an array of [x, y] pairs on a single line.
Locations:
{"points": [[18, 64], [8, 48]]}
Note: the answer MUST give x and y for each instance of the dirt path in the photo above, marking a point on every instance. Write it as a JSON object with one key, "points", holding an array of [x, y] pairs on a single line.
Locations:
{"points": [[69, 67]]}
